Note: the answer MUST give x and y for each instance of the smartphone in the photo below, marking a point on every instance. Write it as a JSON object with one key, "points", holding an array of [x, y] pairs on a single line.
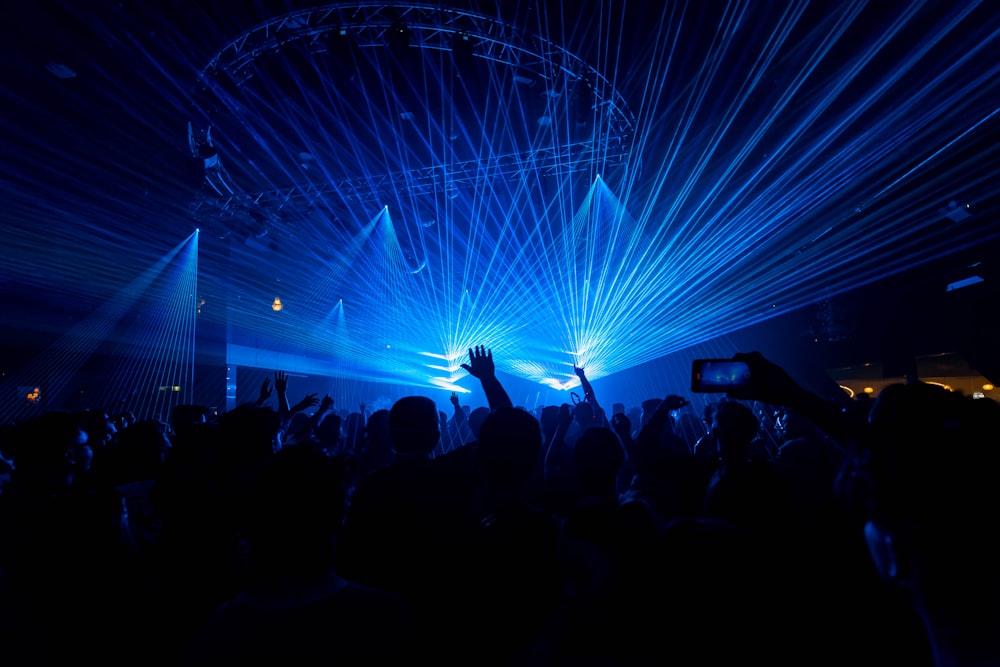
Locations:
{"points": [[719, 375]]}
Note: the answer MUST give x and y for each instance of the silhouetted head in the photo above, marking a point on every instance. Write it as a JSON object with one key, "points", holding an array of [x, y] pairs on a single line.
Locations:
{"points": [[708, 414], [413, 425], [509, 445], [142, 448], [249, 434], [100, 428], [328, 431], [583, 413], [549, 419], [299, 428], [734, 426], [598, 455], [932, 462], [476, 419], [648, 408], [932, 458]]}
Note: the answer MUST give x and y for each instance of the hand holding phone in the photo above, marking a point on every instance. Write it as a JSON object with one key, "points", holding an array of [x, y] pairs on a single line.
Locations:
{"points": [[719, 375]]}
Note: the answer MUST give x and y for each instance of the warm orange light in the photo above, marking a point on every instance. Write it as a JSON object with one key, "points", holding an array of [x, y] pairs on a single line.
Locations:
{"points": [[276, 304], [988, 387], [869, 390]]}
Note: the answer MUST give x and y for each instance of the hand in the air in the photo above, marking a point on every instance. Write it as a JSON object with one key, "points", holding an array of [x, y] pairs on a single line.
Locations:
{"points": [[480, 363]]}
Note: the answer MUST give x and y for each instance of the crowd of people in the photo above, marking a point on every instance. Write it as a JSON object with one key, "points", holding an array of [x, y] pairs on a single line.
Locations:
{"points": [[588, 534]]}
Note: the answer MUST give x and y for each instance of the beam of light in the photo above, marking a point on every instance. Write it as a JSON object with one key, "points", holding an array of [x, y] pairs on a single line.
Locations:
{"points": [[775, 152], [93, 338], [150, 360]]}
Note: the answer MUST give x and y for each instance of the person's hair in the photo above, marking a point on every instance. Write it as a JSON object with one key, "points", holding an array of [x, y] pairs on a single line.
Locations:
{"points": [[413, 425], [734, 427], [509, 445], [598, 455], [925, 465]]}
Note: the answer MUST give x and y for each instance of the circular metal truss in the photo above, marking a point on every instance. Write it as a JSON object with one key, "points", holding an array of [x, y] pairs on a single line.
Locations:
{"points": [[368, 25]]}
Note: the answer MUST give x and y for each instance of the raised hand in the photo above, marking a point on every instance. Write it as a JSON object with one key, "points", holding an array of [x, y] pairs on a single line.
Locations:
{"points": [[280, 381], [480, 363], [326, 403], [769, 382], [454, 400], [309, 401], [265, 391], [674, 402], [588, 389], [621, 425]]}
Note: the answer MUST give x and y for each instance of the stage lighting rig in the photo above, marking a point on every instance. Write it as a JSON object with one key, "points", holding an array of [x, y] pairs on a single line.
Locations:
{"points": [[473, 39]]}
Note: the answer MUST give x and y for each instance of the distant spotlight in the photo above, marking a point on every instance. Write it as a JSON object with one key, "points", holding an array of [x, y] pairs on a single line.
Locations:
{"points": [[398, 36], [276, 305], [869, 390], [988, 387], [197, 230]]}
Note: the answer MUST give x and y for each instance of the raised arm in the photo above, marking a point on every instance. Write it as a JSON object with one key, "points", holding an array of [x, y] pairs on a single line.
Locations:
{"points": [[481, 366], [588, 390], [324, 407], [281, 387], [771, 384], [556, 454], [647, 444], [622, 426], [459, 415], [265, 392], [309, 401]]}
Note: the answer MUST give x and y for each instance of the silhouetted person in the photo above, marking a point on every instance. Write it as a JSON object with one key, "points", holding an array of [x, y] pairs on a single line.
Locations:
{"points": [[505, 578], [65, 556], [296, 608], [401, 514], [934, 500]]}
